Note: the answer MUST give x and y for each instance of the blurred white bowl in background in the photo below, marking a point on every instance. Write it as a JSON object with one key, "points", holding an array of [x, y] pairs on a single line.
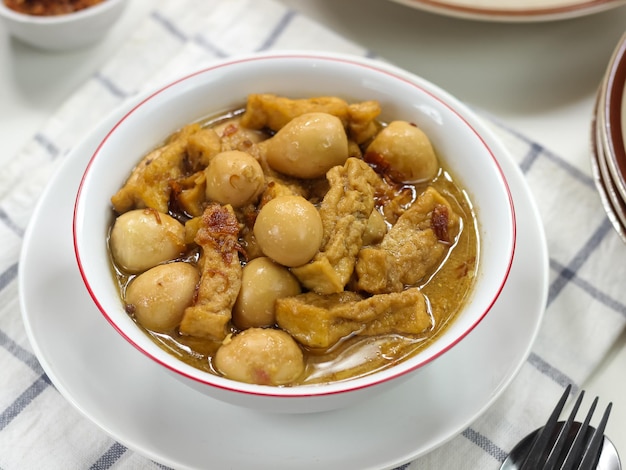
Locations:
{"points": [[63, 32]]}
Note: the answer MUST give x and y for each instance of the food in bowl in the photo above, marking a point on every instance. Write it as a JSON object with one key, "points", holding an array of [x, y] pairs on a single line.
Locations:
{"points": [[294, 241], [49, 7]]}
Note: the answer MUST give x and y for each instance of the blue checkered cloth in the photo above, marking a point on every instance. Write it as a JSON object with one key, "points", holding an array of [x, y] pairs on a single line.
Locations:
{"points": [[586, 309]]}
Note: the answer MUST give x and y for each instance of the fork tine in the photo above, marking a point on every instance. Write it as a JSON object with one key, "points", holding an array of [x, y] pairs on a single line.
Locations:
{"points": [[543, 438], [578, 445], [595, 445], [563, 435]]}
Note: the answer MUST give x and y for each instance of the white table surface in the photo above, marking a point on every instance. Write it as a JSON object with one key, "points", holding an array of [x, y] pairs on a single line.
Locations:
{"points": [[537, 78]]}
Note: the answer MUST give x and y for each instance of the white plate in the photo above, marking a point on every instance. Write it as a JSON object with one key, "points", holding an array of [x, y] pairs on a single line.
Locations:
{"points": [[513, 10], [152, 413]]}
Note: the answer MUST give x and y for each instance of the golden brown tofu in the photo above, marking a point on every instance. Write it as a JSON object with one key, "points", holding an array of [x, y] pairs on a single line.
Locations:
{"points": [[274, 112], [149, 183], [362, 124], [319, 321], [189, 194], [220, 279], [414, 246], [201, 147], [345, 211]]}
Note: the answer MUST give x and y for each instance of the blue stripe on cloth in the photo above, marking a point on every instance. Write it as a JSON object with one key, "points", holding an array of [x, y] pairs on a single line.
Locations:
{"points": [[110, 457], [210, 47], [277, 30], [531, 157], [160, 465], [111, 87], [536, 149], [6, 220], [592, 290], [25, 399], [551, 372], [20, 353], [485, 444], [8, 276], [169, 26], [569, 272], [45, 143], [570, 169]]}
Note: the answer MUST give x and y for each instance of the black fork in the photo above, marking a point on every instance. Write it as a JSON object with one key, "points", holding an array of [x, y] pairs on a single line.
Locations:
{"points": [[578, 446]]}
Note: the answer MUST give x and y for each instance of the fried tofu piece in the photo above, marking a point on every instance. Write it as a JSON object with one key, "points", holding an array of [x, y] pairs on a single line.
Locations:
{"points": [[362, 124], [220, 279], [345, 211], [414, 246], [320, 321], [149, 183], [273, 112], [189, 194], [202, 146]]}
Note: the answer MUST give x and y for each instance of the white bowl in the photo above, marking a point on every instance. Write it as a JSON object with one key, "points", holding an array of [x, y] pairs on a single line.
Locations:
{"points": [[63, 32], [454, 130]]}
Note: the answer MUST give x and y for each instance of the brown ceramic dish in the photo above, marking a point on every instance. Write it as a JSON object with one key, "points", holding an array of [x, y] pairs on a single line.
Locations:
{"points": [[610, 109], [613, 204]]}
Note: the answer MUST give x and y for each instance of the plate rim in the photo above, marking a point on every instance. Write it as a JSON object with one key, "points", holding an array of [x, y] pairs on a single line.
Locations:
{"points": [[572, 10], [541, 264]]}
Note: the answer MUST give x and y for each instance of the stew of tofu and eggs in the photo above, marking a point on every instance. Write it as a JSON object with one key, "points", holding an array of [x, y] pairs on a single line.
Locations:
{"points": [[293, 241]]}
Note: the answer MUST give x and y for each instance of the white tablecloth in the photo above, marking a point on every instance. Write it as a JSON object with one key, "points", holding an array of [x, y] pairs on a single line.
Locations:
{"points": [[586, 303]]}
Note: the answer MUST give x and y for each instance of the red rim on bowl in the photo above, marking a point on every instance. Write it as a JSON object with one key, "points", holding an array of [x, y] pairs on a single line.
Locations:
{"points": [[460, 112]]}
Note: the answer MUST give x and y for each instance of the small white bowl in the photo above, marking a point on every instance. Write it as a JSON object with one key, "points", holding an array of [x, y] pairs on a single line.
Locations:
{"points": [[455, 131], [63, 32]]}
